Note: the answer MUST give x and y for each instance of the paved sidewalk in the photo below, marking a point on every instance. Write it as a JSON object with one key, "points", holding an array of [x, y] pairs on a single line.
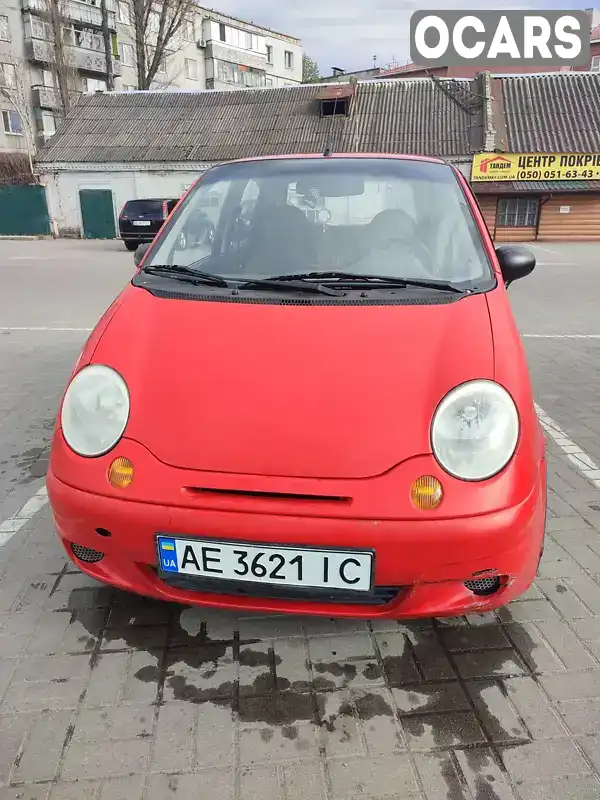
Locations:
{"points": [[105, 695]]}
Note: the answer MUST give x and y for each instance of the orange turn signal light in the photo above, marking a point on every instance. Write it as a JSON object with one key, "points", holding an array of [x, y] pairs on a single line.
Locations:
{"points": [[426, 493], [120, 473]]}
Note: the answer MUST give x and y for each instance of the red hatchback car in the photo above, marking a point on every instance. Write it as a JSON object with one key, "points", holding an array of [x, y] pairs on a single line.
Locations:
{"points": [[325, 410]]}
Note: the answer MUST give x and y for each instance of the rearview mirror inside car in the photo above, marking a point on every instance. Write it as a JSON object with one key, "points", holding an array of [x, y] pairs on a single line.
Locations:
{"points": [[140, 253], [515, 262]]}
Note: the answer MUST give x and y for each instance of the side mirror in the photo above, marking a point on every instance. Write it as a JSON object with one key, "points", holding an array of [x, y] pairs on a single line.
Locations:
{"points": [[515, 262], [140, 253]]}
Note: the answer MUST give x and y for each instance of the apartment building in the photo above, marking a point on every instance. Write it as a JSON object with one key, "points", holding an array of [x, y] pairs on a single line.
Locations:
{"points": [[211, 51], [215, 51]]}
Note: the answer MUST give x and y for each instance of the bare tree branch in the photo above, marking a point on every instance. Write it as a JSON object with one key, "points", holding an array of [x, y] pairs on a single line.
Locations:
{"points": [[16, 89], [157, 27], [62, 64]]}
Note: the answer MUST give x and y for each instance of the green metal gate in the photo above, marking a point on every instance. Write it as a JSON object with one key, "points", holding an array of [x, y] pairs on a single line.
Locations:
{"points": [[23, 211], [97, 213]]}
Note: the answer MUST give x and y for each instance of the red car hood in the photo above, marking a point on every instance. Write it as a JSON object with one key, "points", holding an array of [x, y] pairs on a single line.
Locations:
{"points": [[282, 390]]}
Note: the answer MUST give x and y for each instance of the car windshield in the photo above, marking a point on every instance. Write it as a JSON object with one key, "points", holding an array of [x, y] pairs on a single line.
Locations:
{"points": [[365, 216]]}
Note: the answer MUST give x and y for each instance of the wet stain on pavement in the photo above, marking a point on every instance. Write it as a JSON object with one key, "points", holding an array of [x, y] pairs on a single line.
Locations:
{"points": [[31, 464], [368, 706], [256, 658], [436, 715], [346, 671]]}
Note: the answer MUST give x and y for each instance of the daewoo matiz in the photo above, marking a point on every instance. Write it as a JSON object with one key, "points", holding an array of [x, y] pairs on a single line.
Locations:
{"points": [[326, 409]]}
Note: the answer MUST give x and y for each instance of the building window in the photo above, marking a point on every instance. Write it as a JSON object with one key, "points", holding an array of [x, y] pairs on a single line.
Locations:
{"points": [[8, 76], [124, 13], [127, 55], [95, 85], [12, 122], [518, 212], [595, 66], [48, 123], [191, 69], [189, 32], [268, 81], [222, 32], [48, 79], [269, 54], [4, 28], [240, 75], [289, 59], [82, 37]]}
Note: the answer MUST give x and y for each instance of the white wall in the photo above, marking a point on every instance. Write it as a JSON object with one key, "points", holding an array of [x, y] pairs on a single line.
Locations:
{"points": [[62, 190], [277, 70]]}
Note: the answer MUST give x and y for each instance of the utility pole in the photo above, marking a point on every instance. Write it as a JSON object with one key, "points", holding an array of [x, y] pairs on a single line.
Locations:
{"points": [[110, 82]]}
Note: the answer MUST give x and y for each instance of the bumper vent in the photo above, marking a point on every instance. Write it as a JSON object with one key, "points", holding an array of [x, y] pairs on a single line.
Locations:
{"points": [[86, 554], [483, 586]]}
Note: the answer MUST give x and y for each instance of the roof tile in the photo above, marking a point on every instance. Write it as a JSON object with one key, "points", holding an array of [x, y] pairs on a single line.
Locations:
{"points": [[414, 117], [553, 113]]}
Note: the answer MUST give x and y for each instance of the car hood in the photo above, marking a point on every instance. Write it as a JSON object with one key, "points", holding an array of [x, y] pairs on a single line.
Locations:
{"points": [[329, 391]]}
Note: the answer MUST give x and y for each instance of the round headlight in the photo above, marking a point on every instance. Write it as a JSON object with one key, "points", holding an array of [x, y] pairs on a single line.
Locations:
{"points": [[95, 410], [475, 430]]}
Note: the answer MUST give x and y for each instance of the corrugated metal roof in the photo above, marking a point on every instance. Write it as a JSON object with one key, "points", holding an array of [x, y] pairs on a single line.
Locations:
{"points": [[553, 113], [535, 187], [337, 92], [414, 117]]}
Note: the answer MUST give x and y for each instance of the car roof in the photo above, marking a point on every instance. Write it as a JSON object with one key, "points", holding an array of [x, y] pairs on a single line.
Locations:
{"points": [[391, 156], [150, 200]]}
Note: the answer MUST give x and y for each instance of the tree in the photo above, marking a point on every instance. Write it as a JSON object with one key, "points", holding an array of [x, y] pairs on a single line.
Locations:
{"points": [[59, 55], [310, 70], [157, 26], [107, 39], [16, 89], [62, 66]]}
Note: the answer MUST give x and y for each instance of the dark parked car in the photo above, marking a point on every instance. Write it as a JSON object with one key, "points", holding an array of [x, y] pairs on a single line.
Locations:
{"points": [[140, 220]]}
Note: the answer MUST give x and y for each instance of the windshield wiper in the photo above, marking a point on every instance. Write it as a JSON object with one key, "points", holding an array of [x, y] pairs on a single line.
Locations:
{"points": [[389, 280], [294, 283], [196, 274]]}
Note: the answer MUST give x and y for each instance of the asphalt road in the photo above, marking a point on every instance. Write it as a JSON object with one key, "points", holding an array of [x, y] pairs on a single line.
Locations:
{"points": [[106, 696]]}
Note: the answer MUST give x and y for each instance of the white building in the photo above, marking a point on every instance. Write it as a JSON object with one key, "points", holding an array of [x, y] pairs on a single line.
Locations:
{"points": [[212, 51], [120, 146]]}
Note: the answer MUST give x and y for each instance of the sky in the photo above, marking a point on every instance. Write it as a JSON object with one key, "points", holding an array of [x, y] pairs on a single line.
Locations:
{"points": [[348, 33]]}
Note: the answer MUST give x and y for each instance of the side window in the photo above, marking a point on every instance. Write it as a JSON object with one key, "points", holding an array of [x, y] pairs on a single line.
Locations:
{"points": [[249, 198], [171, 205], [192, 236]]}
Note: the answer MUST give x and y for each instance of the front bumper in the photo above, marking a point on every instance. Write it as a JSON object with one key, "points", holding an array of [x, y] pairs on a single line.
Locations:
{"points": [[425, 562], [142, 236]]}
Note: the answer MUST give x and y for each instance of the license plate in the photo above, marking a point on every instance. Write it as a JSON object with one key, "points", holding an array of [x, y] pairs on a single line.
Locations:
{"points": [[145, 222], [275, 565]]}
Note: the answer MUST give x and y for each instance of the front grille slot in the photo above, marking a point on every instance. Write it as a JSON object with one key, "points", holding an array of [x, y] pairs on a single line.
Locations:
{"points": [[381, 595], [483, 586], [86, 554], [307, 498]]}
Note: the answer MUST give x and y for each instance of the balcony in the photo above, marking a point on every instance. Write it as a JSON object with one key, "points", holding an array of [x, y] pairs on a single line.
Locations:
{"points": [[45, 97], [80, 57], [77, 11], [235, 55]]}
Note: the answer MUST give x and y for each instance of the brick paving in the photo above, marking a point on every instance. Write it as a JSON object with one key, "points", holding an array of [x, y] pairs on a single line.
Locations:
{"points": [[108, 696]]}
